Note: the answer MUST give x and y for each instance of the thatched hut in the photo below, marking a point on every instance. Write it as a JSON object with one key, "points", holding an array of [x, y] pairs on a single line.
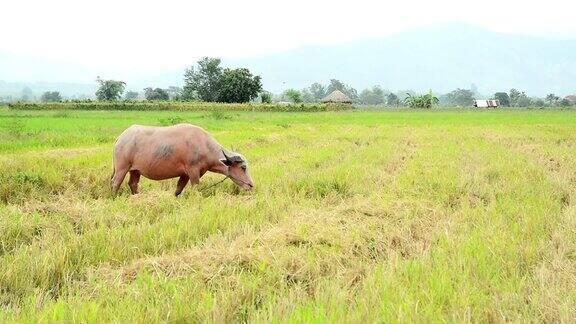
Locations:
{"points": [[337, 96]]}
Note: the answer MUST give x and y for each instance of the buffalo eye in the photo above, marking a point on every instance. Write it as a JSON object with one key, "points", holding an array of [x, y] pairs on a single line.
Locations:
{"points": [[243, 167]]}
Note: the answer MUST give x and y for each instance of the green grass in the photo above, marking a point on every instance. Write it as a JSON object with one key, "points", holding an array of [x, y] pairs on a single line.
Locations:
{"points": [[397, 216]]}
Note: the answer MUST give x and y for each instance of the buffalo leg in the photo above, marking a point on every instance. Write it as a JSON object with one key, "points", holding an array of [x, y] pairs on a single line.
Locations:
{"points": [[133, 181], [117, 179], [194, 180], [194, 177], [181, 184]]}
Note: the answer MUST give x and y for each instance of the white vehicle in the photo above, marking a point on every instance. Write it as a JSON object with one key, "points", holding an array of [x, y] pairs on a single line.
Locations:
{"points": [[486, 103]]}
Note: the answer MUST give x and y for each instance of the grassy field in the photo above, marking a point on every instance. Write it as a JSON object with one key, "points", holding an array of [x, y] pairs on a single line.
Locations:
{"points": [[395, 216]]}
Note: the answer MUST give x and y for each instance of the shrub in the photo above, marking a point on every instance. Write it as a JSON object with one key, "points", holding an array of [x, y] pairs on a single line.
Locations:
{"points": [[171, 120], [219, 115], [156, 94], [51, 96], [266, 97], [424, 101]]}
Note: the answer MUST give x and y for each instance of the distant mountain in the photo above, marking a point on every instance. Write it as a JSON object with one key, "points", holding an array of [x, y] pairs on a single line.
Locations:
{"points": [[70, 79], [442, 57], [18, 72], [68, 90]]}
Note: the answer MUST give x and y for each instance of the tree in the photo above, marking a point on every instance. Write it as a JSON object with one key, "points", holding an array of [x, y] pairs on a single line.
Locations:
{"points": [[238, 85], [156, 94], [514, 95], [294, 95], [338, 85], [110, 89], [27, 94], [503, 98], [352, 93], [318, 91], [552, 99], [564, 102], [188, 94], [203, 81], [335, 85], [538, 102], [460, 97], [210, 82], [307, 95], [392, 100], [365, 96], [51, 96], [378, 94], [373, 96], [266, 97], [523, 100], [175, 93], [131, 95], [519, 99], [424, 101]]}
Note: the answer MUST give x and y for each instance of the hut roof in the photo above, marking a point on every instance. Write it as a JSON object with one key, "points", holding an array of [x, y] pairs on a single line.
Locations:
{"points": [[337, 96]]}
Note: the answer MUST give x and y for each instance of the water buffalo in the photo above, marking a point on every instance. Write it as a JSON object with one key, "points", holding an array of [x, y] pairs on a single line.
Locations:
{"points": [[185, 151]]}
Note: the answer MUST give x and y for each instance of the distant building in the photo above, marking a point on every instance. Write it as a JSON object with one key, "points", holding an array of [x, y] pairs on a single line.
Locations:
{"points": [[486, 103], [337, 96], [571, 99]]}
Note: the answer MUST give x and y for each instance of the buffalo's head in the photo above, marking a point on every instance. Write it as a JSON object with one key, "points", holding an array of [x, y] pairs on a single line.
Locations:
{"points": [[237, 169]]}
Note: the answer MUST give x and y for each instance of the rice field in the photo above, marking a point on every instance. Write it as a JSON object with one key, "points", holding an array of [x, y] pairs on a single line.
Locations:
{"points": [[357, 216]]}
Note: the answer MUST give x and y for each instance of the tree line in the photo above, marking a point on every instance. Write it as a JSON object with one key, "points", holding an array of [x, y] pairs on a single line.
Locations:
{"points": [[512, 98], [208, 81], [240, 86], [377, 96]]}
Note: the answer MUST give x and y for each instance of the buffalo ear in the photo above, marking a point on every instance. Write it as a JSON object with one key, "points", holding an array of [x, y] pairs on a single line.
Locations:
{"points": [[230, 159], [226, 162]]}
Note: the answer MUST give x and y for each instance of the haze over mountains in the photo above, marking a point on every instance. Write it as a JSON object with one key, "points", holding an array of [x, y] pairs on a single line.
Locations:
{"points": [[442, 57]]}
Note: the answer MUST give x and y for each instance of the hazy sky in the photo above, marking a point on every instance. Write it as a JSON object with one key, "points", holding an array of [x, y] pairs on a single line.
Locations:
{"points": [[133, 34]]}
